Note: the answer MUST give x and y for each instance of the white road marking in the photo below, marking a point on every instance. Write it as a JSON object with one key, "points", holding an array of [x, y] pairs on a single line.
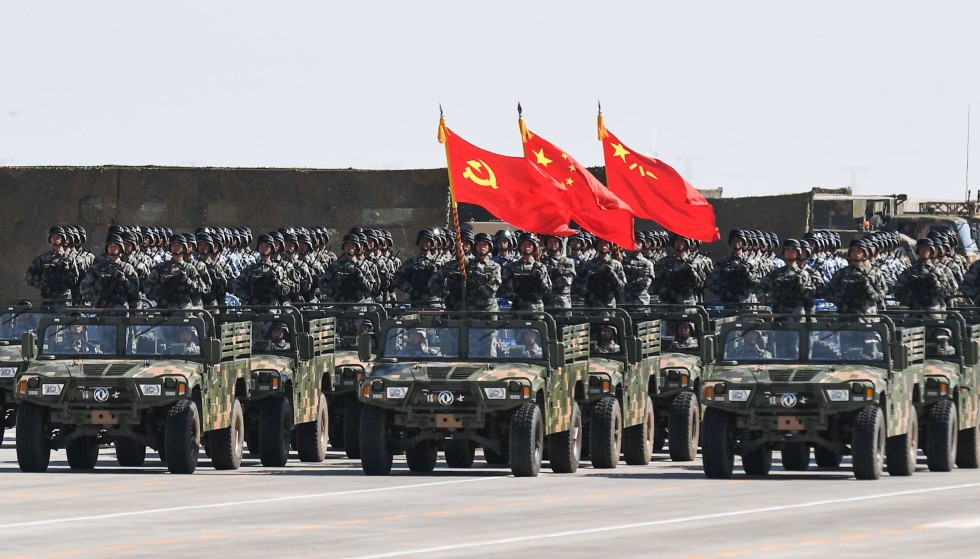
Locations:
{"points": [[240, 503], [971, 523], [744, 512]]}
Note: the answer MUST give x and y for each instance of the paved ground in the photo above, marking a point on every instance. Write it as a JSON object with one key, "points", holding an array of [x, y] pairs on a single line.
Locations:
{"points": [[664, 510]]}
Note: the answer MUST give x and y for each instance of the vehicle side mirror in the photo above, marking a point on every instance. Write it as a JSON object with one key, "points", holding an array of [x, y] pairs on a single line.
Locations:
{"points": [[364, 349], [28, 345], [556, 354], [900, 357], [211, 351], [971, 353], [304, 343], [708, 349]]}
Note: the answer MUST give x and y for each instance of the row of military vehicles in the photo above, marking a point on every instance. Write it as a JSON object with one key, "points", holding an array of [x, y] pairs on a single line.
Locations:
{"points": [[603, 385]]}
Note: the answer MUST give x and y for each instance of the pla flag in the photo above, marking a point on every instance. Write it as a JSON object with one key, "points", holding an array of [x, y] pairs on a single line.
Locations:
{"points": [[594, 206], [656, 191], [510, 188]]}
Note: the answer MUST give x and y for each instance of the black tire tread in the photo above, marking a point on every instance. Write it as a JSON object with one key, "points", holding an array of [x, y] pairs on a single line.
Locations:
{"points": [[864, 446], [33, 448], [182, 422], [941, 438], [227, 444], [638, 440], [310, 446], [683, 427], [526, 445], [376, 457], [274, 441], [130, 452], [717, 446], [605, 433]]}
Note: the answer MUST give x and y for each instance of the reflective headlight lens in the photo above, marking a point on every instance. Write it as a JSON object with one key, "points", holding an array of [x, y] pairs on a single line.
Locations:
{"points": [[396, 392], [150, 389], [495, 393], [738, 395], [52, 389], [837, 395], [8, 372]]}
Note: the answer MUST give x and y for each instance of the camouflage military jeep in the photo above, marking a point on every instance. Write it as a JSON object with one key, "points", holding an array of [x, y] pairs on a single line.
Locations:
{"points": [[623, 371], [140, 379], [282, 395], [839, 383], [507, 381]]}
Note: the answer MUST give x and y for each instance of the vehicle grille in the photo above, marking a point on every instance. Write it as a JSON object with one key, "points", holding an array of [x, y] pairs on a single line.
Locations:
{"points": [[117, 369], [794, 375], [438, 373], [460, 373], [93, 369]]}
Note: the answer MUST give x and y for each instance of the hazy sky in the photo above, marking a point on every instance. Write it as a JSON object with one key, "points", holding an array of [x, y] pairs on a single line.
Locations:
{"points": [[751, 97]]}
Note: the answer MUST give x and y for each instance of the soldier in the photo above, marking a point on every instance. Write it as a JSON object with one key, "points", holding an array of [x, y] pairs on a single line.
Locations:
{"points": [[504, 242], [753, 347], [262, 282], [684, 336], [133, 254], [602, 278], [639, 276], [77, 342], [857, 288], [175, 283], [417, 345], [483, 278], [970, 286], [413, 276], [680, 277], [111, 281], [941, 337], [561, 270], [278, 340], [54, 272], [385, 269], [222, 281], [607, 339], [306, 283], [789, 289], [526, 281], [306, 257], [531, 340], [924, 286], [395, 263], [735, 279], [349, 279]]}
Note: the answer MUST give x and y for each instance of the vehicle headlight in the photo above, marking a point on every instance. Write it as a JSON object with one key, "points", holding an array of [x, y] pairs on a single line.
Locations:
{"points": [[838, 395], [738, 395], [51, 389], [150, 389], [396, 392], [8, 372], [495, 393]]}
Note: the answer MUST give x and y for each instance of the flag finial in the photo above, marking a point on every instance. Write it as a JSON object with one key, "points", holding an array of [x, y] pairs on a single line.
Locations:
{"points": [[520, 111], [598, 102]]}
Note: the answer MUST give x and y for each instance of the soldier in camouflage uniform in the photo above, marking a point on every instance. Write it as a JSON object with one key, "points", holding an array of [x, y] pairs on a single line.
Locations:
{"points": [[111, 281], [141, 263], [483, 279], [394, 263], [561, 270], [602, 278], [175, 283], [681, 276], [349, 279], [414, 275], [736, 278], [306, 282], [639, 276], [789, 289], [924, 286], [209, 248], [262, 282], [503, 241], [305, 255], [858, 288], [526, 281], [970, 286], [54, 272]]}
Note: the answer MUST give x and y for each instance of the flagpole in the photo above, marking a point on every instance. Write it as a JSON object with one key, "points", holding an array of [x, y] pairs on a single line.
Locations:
{"points": [[460, 257]]}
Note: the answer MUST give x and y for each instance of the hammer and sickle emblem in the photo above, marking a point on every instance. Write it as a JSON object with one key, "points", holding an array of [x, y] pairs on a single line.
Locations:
{"points": [[475, 166]]}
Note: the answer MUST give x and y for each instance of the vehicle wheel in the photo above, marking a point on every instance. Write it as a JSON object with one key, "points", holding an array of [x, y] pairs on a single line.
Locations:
{"points": [[758, 462], [182, 439], [130, 452], [228, 444], [942, 434], [718, 445], [638, 440], [826, 458], [868, 443], [83, 452], [968, 448], [376, 456], [606, 433], [275, 431], [901, 451], [312, 437], [683, 427], [565, 448], [526, 440], [33, 438], [422, 457], [495, 459], [795, 457], [460, 453], [352, 421]]}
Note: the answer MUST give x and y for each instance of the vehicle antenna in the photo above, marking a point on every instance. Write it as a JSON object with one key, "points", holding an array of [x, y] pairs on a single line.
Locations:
{"points": [[968, 154]]}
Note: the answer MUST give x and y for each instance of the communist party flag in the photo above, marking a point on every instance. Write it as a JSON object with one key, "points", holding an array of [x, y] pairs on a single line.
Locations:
{"points": [[656, 191], [594, 206], [510, 188]]}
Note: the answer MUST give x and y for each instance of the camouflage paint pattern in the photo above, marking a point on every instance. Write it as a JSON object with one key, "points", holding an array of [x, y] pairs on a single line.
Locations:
{"points": [[10, 357]]}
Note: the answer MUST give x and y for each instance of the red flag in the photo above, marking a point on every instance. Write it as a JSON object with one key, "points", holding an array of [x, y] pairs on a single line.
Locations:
{"points": [[510, 188], [656, 191], [594, 206]]}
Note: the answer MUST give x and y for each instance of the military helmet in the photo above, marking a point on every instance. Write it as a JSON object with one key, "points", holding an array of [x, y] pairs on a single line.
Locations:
{"points": [[736, 234], [791, 243], [82, 235], [279, 325], [531, 237], [388, 241], [56, 230], [483, 237], [466, 235], [424, 234], [114, 240], [205, 238], [266, 239]]}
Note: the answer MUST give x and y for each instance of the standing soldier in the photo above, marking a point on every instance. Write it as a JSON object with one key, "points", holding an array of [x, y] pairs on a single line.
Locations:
{"points": [[857, 288], [395, 263], [349, 279], [209, 247], [735, 279], [111, 281], [133, 254], [526, 281], [305, 255], [413, 276], [924, 286], [303, 275], [602, 279], [483, 278], [789, 289], [504, 242], [561, 270], [681, 275], [262, 282], [54, 272], [175, 283], [639, 276]]}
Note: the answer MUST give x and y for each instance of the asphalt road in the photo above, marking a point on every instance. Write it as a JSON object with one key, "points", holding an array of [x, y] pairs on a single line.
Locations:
{"points": [[332, 510]]}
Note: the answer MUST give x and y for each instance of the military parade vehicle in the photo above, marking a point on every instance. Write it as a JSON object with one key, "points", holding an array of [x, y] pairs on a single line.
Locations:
{"points": [[948, 401], [841, 384], [158, 379], [345, 409], [617, 409], [283, 393], [509, 382]]}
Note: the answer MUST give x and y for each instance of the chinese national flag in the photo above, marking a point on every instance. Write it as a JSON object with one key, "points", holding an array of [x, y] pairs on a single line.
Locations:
{"points": [[594, 206], [510, 188], [656, 191]]}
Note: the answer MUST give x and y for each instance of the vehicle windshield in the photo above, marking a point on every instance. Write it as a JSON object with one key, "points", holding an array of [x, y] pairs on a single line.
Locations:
{"points": [[422, 342], [756, 344], [163, 339], [348, 329], [845, 345], [14, 324], [504, 343], [79, 339], [271, 335]]}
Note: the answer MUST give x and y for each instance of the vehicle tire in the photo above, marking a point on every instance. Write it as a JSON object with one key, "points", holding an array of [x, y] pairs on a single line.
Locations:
{"points": [[182, 438], [422, 457], [376, 454], [968, 448], [275, 431], [757, 462], [352, 422], [130, 452], [901, 451], [638, 439], [942, 436], [795, 457], [83, 452], [33, 438], [312, 438], [826, 458], [718, 445], [868, 443], [495, 459], [460, 453], [683, 427], [228, 444], [565, 448], [526, 440], [606, 433]]}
